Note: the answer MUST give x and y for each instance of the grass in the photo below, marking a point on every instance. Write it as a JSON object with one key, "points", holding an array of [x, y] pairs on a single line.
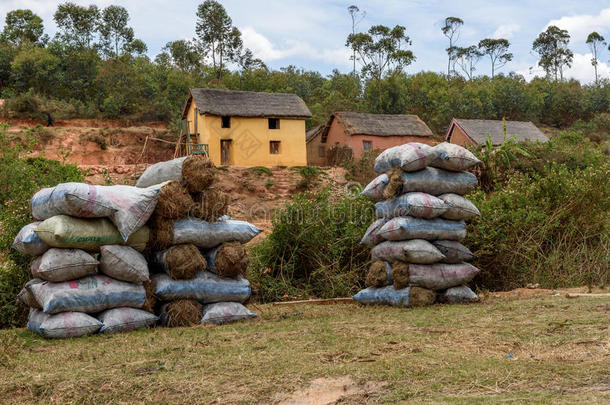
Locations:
{"points": [[443, 354]]}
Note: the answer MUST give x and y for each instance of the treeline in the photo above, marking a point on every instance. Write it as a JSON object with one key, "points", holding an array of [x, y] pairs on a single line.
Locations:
{"points": [[94, 67]]}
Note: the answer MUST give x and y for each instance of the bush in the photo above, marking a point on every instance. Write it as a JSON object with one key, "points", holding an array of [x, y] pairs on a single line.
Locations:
{"points": [[309, 176], [361, 170], [20, 178], [313, 250]]}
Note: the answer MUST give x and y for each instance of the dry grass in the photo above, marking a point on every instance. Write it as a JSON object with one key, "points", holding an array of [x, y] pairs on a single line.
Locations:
{"points": [[559, 353]]}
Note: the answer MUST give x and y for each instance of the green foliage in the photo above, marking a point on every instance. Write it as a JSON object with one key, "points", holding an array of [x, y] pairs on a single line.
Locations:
{"points": [[20, 178], [546, 219], [260, 170], [22, 28], [309, 176], [313, 249], [552, 46]]}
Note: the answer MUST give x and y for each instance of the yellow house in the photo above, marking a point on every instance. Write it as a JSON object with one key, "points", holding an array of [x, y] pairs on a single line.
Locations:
{"points": [[244, 128]]}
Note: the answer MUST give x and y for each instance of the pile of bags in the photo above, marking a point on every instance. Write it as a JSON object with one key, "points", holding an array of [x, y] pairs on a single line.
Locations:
{"points": [[196, 251], [417, 257], [108, 258]]}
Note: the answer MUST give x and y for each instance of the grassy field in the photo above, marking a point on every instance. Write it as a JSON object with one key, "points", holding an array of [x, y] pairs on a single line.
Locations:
{"points": [[546, 349]]}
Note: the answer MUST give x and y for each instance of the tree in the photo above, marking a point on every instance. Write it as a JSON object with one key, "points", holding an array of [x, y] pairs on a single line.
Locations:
{"points": [[36, 69], [217, 37], [552, 46], [181, 54], [23, 27], [356, 16], [77, 24], [497, 50], [114, 30], [596, 43], [467, 58], [451, 29], [247, 61], [381, 49]]}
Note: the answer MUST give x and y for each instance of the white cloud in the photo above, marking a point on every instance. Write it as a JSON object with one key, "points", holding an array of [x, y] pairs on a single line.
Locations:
{"points": [[505, 31], [580, 26], [263, 48], [581, 69]]}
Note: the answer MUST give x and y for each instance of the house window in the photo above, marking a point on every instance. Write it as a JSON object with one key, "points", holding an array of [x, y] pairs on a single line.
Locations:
{"points": [[226, 122], [274, 147], [321, 151], [367, 145], [274, 123]]}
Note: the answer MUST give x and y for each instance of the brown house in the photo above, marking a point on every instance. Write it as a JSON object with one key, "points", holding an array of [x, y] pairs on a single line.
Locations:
{"points": [[361, 132], [474, 132]]}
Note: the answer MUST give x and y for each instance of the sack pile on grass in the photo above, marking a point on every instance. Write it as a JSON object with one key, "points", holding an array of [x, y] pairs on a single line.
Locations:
{"points": [[417, 257], [94, 248], [88, 270], [196, 251]]}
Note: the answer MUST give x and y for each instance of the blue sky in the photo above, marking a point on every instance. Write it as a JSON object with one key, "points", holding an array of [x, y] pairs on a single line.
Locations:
{"points": [[311, 34]]}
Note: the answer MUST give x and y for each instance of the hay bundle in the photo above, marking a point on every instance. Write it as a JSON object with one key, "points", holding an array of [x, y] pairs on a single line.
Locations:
{"points": [[376, 276], [183, 313], [151, 299], [198, 173], [231, 260], [174, 201], [400, 275], [161, 232], [210, 204], [183, 262], [394, 186], [420, 297]]}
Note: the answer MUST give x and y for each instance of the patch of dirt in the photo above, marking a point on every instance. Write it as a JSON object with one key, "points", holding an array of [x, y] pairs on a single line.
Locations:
{"points": [[525, 293], [326, 391]]}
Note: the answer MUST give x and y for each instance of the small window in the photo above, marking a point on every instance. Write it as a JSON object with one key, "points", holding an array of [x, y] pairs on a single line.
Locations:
{"points": [[274, 147], [367, 145], [226, 122], [321, 151], [274, 123]]}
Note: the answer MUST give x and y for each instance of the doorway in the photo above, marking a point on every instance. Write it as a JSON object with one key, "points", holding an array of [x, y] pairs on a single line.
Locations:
{"points": [[225, 152]]}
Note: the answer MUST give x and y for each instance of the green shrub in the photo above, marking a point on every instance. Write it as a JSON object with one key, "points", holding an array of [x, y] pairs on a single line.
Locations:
{"points": [[41, 134], [309, 176], [361, 170], [313, 249], [20, 178], [260, 170]]}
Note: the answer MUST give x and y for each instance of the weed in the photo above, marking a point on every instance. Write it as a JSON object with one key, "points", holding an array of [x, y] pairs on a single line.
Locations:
{"points": [[270, 183], [260, 170]]}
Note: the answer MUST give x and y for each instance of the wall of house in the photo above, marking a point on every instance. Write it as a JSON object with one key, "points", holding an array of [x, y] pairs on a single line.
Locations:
{"points": [[313, 152], [250, 138], [383, 142], [458, 137]]}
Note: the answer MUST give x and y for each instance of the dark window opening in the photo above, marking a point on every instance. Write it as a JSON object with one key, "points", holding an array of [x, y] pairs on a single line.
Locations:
{"points": [[321, 151], [226, 122], [274, 123], [274, 147], [367, 145]]}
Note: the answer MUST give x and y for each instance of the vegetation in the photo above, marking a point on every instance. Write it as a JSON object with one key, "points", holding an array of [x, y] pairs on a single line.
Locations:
{"points": [[20, 178], [540, 350]]}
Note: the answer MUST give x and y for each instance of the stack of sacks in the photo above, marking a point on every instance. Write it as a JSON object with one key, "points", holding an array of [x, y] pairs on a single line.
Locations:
{"points": [[195, 249], [417, 255], [88, 270]]}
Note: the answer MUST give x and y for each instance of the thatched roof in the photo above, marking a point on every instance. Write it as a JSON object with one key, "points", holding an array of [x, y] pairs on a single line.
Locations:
{"points": [[313, 132], [381, 124], [247, 104], [477, 130]]}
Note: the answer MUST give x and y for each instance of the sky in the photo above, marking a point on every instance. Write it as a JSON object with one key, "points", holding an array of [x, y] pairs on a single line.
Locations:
{"points": [[311, 34]]}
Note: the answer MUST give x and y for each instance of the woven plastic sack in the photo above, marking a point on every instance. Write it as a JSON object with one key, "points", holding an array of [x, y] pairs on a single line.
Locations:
{"points": [[225, 312], [26, 297], [453, 251], [63, 231], [409, 157], [404, 228], [210, 256], [123, 263], [453, 157], [410, 251], [63, 325], [371, 236], [127, 207], [27, 242], [88, 294], [375, 188], [63, 265], [205, 234], [441, 276], [420, 205], [206, 287], [161, 172], [460, 208], [458, 295], [390, 296], [118, 320]]}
